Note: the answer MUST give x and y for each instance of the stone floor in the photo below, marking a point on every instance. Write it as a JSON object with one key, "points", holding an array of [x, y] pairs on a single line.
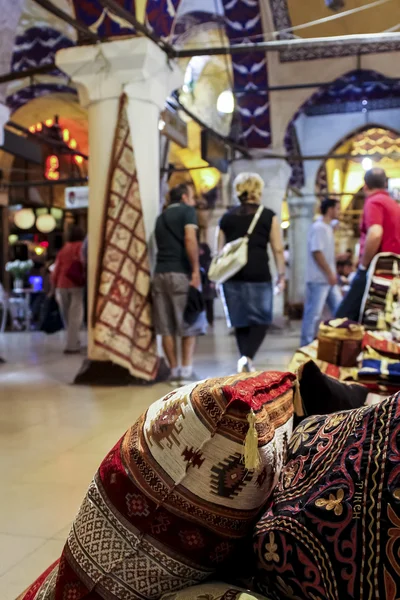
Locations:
{"points": [[53, 436]]}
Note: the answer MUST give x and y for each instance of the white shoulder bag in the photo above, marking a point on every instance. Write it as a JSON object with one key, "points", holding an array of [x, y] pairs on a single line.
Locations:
{"points": [[233, 256]]}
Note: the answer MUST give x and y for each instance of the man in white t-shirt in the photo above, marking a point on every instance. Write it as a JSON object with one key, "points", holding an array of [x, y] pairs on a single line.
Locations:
{"points": [[321, 276]]}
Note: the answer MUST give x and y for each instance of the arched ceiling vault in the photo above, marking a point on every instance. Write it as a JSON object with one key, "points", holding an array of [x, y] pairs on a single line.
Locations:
{"points": [[38, 35]]}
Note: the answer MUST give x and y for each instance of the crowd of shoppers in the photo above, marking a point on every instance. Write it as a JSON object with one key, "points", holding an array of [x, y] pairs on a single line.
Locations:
{"points": [[380, 232], [247, 295], [182, 266]]}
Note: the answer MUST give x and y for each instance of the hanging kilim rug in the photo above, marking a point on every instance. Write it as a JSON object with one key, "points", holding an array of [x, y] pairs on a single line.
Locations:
{"points": [[122, 316]]}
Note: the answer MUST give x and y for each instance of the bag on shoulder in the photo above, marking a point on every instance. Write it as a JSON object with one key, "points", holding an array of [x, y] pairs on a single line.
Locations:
{"points": [[233, 256], [76, 273]]}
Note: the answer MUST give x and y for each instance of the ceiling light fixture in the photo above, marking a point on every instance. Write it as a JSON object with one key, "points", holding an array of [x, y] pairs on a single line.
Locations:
{"points": [[226, 103], [367, 164]]}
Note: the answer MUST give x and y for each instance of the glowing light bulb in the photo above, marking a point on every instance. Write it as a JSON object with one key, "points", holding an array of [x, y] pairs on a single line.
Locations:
{"points": [[226, 102], [367, 164]]}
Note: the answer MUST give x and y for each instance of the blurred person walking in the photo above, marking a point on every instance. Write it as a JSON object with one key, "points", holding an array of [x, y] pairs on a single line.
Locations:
{"points": [[321, 276], [248, 295], [177, 269], [209, 290], [68, 282], [380, 232]]}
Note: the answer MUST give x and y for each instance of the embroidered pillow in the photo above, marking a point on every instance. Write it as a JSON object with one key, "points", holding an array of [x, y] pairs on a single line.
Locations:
{"points": [[174, 498], [332, 529]]}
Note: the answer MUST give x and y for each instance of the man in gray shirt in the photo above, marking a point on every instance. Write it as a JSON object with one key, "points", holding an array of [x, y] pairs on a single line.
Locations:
{"points": [[177, 269], [321, 276]]}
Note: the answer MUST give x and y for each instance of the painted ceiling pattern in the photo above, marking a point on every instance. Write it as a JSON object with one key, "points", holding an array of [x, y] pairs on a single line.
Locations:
{"points": [[283, 21]]}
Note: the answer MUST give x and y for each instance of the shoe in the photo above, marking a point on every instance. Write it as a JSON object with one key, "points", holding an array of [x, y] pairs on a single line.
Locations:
{"points": [[174, 382], [245, 365], [193, 378]]}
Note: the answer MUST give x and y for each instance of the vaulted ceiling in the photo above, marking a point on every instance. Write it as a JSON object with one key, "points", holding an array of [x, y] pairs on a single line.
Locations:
{"points": [[39, 35]]}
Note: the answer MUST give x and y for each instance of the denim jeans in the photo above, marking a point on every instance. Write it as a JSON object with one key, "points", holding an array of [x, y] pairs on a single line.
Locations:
{"points": [[317, 295], [351, 304]]}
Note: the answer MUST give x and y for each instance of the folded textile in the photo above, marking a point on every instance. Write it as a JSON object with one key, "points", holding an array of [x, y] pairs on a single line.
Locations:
{"points": [[341, 329], [331, 530], [323, 395], [304, 354], [381, 341]]}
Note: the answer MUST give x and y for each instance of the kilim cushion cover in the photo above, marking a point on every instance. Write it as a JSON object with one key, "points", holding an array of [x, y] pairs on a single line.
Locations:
{"points": [[213, 591], [173, 499], [332, 530]]}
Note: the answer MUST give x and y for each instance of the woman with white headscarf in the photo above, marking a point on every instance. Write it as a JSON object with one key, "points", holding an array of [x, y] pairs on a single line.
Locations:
{"points": [[248, 295]]}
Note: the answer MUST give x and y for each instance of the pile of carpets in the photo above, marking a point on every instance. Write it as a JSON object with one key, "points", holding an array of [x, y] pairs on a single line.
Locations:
{"points": [[380, 365], [382, 287]]}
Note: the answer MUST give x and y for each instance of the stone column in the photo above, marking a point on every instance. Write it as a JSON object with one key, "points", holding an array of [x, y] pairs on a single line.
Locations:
{"points": [[301, 217], [276, 174], [102, 73]]}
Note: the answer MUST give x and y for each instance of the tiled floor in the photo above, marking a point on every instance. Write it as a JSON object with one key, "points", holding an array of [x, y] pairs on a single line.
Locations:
{"points": [[53, 436]]}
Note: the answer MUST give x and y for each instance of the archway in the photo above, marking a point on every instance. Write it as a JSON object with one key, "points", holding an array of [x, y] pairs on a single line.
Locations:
{"points": [[368, 146], [349, 103]]}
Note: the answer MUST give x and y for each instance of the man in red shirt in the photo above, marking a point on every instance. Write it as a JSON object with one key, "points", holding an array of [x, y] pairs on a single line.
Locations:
{"points": [[380, 232]]}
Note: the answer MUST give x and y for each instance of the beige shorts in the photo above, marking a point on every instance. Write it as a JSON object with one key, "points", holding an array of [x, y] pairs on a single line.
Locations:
{"points": [[170, 292]]}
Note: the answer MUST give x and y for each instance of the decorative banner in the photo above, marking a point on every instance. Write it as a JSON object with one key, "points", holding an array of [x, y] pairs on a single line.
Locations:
{"points": [[243, 24], [122, 316], [160, 16]]}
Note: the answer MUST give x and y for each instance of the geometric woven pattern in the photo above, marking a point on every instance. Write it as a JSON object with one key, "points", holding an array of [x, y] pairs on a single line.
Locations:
{"points": [[172, 500], [122, 318], [332, 529]]}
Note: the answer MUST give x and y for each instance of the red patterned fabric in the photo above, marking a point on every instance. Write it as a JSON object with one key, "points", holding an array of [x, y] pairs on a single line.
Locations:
{"points": [[377, 341], [122, 318], [173, 499], [332, 530]]}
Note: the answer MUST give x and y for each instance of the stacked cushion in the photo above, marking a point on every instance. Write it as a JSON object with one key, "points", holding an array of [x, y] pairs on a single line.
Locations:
{"points": [[173, 499], [324, 395], [332, 530], [383, 269]]}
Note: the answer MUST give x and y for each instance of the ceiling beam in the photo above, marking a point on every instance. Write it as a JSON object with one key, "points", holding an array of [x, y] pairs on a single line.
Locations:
{"points": [[121, 12], [57, 12], [28, 72], [43, 139], [45, 182], [278, 45]]}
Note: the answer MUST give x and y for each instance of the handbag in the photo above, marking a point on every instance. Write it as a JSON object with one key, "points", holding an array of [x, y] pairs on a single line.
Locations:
{"points": [[51, 321], [76, 273], [233, 256]]}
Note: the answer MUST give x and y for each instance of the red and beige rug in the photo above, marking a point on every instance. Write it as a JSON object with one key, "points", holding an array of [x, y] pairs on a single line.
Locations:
{"points": [[122, 316]]}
